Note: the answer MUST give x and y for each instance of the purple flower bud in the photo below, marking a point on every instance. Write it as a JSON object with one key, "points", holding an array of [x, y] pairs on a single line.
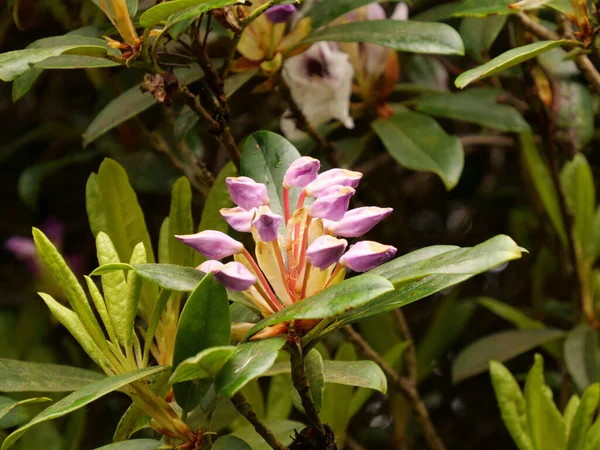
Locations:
{"points": [[209, 266], [212, 244], [367, 255], [24, 250], [325, 251], [267, 223], [357, 222], [332, 177], [238, 218], [247, 193], [234, 276], [280, 13], [332, 204], [301, 172]]}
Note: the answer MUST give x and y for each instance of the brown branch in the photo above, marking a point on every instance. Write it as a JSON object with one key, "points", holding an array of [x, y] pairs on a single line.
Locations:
{"points": [[410, 353], [245, 409], [401, 384], [583, 63]]}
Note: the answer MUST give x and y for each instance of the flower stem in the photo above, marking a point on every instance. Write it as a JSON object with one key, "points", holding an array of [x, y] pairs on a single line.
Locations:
{"points": [[302, 257], [271, 298], [286, 204]]}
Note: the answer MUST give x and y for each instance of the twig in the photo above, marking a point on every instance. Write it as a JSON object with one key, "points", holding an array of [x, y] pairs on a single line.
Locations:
{"points": [[491, 139], [401, 384], [583, 63], [410, 354], [303, 124], [245, 409]]}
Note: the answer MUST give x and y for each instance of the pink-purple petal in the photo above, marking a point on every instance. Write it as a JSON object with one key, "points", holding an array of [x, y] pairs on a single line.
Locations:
{"points": [[234, 276], [247, 193], [212, 244], [367, 255], [238, 218], [330, 178], [332, 204], [301, 172], [358, 221], [325, 251]]}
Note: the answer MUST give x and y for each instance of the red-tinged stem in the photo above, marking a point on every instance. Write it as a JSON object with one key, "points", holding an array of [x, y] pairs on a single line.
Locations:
{"points": [[333, 275], [271, 298], [307, 271], [302, 258], [286, 204], [301, 199]]}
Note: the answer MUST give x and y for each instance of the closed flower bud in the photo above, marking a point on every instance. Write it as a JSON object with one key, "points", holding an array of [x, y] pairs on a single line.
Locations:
{"points": [[234, 276], [357, 222], [280, 13], [332, 177], [238, 218], [325, 251], [332, 204], [247, 193], [266, 224], [367, 255], [209, 266], [301, 172], [212, 244]]}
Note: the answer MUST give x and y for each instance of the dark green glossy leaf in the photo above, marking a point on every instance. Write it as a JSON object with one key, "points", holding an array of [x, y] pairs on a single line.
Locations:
{"points": [[313, 367], [505, 60], [134, 444], [230, 442], [573, 103], [419, 143], [326, 11], [249, 361], [163, 11], [205, 364], [82, 397], [582, 356], [11, 412], [75, 62], [282, 429], [265, 159], [479, 33], [406, 36], [502, 346], [204, 323], [476, 106], [171, 277], [331, 302]]}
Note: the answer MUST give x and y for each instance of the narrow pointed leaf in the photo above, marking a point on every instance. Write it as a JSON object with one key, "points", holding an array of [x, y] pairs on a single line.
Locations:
{"points": [[109, 268], [11, 415], [325, 12], [584, 416], [582, 356], [171, 277], [205, 364], [163, 11], [134, 444], [180, 222]]}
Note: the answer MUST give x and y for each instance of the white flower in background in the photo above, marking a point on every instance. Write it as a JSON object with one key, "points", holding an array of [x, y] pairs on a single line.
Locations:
{"points": [[320, 82]]}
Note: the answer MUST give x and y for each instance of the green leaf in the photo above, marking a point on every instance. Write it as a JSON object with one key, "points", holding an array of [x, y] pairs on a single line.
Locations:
{"points": [[282, 429], [582, 356], [129, 104], [578, 184], [583, 417], [331, 302], [512, 405], [180, 222], [110, 268], [546, 424], [230, 442], [468, 260], [570, 411], [512, 315], [249, 361], [11, 415], [20, 376], [163, 242], [163, 11], [542, 180], [204, 323], [16, 63], [279, 402], [419, 143], [134, 444], [313, 366], [205, 364], [82, 397], [75, 62], [502, 346], [405, 36], [472, 106], [171, 277], [573, 103], [479, 33], [325, 11], [505, 60], [265, 159]]}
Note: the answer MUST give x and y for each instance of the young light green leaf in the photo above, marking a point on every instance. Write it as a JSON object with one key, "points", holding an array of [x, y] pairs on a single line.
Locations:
{"points": [[419, 143], [512, 405], [546, 425], [204, 323], [134, 444], [542, 180], [205, 364], [505, 60], [265, 159], [584, 417], [580, 192], [109, 268], [163, 11], [249, 361], [570, 411], [401, 35], [82, 397], [471, 106], [20, 376], [180, 222], [163, 242], [479, 33], [134, 285], [502, 346], [331, 302], [171, 277], [582, 356]]}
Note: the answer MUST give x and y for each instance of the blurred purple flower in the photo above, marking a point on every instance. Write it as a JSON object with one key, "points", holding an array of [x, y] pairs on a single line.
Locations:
{"points": [[280, 13]]}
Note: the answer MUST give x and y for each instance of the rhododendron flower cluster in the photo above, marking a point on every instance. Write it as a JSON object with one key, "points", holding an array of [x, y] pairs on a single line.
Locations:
{"points": [[312, 255]]}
